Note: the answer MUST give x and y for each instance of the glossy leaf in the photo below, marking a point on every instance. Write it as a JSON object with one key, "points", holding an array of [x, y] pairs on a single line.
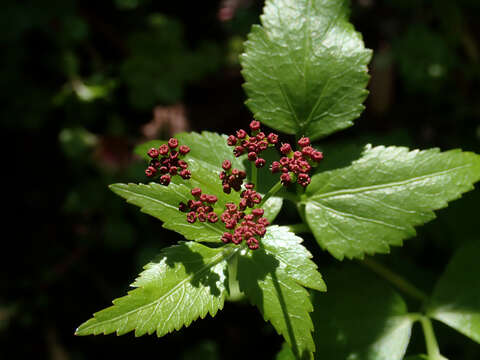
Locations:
{"points": [[456, 297], [273, 278], [360, 318], [187, 282], [305, 67], [376, 201]]}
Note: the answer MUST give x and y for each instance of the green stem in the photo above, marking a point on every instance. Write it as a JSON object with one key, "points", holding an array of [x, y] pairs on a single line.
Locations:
{"points": [[299, 228], [400, 282], [430, 340], [275, 188], [254, 174]]}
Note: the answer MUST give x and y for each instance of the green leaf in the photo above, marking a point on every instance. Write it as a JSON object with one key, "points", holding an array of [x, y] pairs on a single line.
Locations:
{"points": [[360, 318], [273, 278], [285, 353], [162, 202], [305, 67], [186, 283], [375, 203], [456, 297]]}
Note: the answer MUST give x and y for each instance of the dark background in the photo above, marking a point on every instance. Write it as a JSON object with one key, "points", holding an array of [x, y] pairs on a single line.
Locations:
{"points": [[83, 82]]}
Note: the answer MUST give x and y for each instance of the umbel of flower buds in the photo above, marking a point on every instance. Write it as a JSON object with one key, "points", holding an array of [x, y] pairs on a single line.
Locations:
{"points": [[167, 161], [249, 227], [231, 178], [201, 208], [296, 164], [252, 145]]}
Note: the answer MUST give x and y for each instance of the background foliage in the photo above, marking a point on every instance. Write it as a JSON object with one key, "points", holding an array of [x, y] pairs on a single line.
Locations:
{"points": [[84, 82]]}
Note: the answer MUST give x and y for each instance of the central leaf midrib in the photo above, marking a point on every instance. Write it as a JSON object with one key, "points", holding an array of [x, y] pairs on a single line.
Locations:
{"points": [[215, 260], [384, 186]]}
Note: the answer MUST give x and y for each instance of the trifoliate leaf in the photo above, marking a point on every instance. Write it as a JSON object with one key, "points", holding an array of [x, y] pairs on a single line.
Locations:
{"points": [[306, 67], [456, 297], [187, 282], [273, 277], [376, 201], [360, 318]]}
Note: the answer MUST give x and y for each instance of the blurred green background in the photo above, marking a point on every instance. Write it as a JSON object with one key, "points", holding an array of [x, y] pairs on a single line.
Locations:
{"points": [[83, 82]]}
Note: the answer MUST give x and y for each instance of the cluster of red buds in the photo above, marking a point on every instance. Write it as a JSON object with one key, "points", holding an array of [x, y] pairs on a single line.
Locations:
{"points": [[248, 227], [252, 144], [296, 164], [201, 208], [231, 178], [167, 161]]}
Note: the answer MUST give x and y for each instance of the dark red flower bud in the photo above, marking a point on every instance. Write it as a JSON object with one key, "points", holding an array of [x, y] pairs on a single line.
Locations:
{"points": [[231, 207], [303, 179], [238, 151], [272, 138], [252, 156], [263, 221], [155, 163], [260, 229], [203, 197], [196, 192], [183, 149], [297, 155], [165, 179], [201, 217], [252, 243], [241, 134], [316, 156], [227, 189], [242, 204], [242, 175], [183, 164], [212, 199], [262, 145], [307, 150], [163, 169], [285, 178], [173, 170], [150, 171], [251, 147], [163, 149], [191, 217], [183, 207], [153, 153], [257, 212], [230, 225], [276, 166], [227, 237], [259, 163], [260, 136], [255, 125], [226, 164], [284, 161], [304, 141], [237, 239], [212, 217], [185, 174], [285, 148], [172, 143], [174, 155], [249, 186], [232, 140]]}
